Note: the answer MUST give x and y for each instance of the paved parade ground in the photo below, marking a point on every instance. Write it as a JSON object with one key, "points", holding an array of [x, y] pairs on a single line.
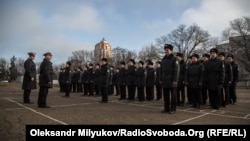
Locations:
{"points": [[86, 110]]}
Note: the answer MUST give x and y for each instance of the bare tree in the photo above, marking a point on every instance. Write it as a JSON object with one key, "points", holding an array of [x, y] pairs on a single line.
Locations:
{"points": [[238, 35], [121, 54], [81, 58], [150, 52], [206, 46], [20, 65], [185, 39]]}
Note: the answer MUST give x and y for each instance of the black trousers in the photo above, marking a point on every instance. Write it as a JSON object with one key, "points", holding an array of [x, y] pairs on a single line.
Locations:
{"points": [[150, 93], [26, 96], [196, 96], [169, 97], [131, 92], [61, 86], [224, 96], [232, 93], [79, 87], [117, 89], [90, 89], [214, 98], [104, 93], [67, 89], [74, 86], [158, 91], [85, 89], [140, 93], [97, 89], [189, 96], [204, 95], [111, 89], [42, 96], [123, 92]]}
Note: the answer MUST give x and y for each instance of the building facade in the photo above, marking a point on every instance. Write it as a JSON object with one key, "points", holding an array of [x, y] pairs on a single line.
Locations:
{"points": [[103, 49]]}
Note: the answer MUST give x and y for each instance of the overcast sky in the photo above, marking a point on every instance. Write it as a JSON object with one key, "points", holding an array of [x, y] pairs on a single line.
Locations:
{"points": [[63, 26]]}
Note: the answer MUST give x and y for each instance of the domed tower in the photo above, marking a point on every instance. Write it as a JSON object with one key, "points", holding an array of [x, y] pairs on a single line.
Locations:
{"points": [[103, 49]]}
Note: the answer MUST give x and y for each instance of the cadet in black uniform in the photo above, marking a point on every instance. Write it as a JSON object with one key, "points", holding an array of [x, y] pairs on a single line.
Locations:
{"points": [[232, 87], [189, 94], [140, 81], [204, 91], [45, 80], [130, 79], [157, 80], [214, 78], [67, 79], [84, 80], [60, 80], [170, 76], [97, 77], [150, 81], [111, 81], [90, 80], [194, 78], [104, 80], [181, 86], [228, 80], [29, 78], [116, 81], [122, 81], [74, 81], [78, 80]]}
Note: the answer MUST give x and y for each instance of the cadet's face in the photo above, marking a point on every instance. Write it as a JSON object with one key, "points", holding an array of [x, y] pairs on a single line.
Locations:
{"points": [[32, 57], [150, 66], [229, 59], [222, 58], [205, 59], [49, 57], [168, 51], [213, 55], [194, 59], [139, 65], [178, 58]]}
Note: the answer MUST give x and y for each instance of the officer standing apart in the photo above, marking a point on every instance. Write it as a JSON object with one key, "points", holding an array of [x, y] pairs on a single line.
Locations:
{"points": [[214, 78], [170, 75], [104, 80], [29, 79], [45, 80]]}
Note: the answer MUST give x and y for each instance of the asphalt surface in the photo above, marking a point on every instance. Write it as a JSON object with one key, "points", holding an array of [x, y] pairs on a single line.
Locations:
{"points": [[86, 110]]}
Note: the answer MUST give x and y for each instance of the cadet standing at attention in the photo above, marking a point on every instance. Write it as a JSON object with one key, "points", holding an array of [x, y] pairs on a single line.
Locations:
{"points": [[170, 76]]}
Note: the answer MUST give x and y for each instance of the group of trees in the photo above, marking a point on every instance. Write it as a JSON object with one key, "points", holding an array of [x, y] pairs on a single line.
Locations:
{"points": [[11, 71], [185, 39]]}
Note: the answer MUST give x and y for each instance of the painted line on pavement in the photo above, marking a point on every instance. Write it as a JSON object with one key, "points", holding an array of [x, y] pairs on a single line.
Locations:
{"points": [[39, 113]]}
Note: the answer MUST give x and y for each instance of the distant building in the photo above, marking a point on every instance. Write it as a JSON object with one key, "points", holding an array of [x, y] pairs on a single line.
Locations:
{"points": [[103, 49], [233, 47]]}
